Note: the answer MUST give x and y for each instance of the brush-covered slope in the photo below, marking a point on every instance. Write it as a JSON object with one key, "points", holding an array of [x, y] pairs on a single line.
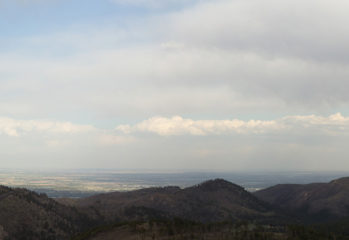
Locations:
{"points": [[28, 215], [178, 229], [320, 201], [214, 200]]}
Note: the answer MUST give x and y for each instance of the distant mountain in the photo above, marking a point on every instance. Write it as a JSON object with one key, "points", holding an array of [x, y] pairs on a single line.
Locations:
{"points": [[211, 201], [27, 215], [318, 202]]}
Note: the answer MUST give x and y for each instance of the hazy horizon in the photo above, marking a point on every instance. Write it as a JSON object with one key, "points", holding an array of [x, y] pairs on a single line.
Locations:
{"points": [[200, 85], [171, 170], [81, 182]]}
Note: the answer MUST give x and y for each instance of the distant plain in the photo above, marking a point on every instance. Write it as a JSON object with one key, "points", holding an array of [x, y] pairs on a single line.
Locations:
{"points": [[82, 182]]}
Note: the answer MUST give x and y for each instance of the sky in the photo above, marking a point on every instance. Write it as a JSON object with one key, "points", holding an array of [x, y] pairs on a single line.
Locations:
{"points": [[209, 85]]}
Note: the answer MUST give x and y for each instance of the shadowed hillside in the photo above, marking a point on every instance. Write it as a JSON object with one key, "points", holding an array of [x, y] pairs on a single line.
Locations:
{"points": [[211, 201], [178, 229], [27, 215], [315, 202]]}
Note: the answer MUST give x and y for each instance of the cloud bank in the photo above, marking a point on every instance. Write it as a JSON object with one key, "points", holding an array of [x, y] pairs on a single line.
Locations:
{"points": [[292, 142], [334, 124], [177, 125], [12, 127]]}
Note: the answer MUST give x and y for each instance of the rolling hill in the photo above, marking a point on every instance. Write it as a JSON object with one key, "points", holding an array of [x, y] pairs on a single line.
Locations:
{"points": [[319, 202], [211, 201], [28, 215]]}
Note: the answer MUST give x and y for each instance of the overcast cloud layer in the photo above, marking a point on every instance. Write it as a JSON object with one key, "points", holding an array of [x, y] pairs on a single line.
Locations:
{"points": [[237, 85]]}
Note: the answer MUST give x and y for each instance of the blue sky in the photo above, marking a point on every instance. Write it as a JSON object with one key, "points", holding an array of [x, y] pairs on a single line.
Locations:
{"points": [[220, 84], [26, 19]]}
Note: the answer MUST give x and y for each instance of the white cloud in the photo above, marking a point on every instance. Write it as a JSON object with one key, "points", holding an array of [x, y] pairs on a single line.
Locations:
{"points": [[13, 127], [334, 124], [175, 126], [292, 142]]}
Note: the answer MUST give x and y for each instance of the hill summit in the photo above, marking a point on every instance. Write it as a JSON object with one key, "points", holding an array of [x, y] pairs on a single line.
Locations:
{"points": [[213, 200], [219, 184]]}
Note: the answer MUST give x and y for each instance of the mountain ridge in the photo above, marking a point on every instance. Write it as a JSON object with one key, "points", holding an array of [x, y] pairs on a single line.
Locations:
{"points": [[213, 200], [314, 201], [27, 214]]}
